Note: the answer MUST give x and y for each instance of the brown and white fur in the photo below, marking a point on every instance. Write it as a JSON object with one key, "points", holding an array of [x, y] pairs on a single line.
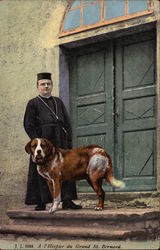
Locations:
{"points": [[57, 165]]}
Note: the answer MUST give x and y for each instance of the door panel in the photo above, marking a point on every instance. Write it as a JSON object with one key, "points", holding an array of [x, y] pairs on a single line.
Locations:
{"points": [[136, 163], [90, 81], [139, 108], [91, 114], [138, 56]]}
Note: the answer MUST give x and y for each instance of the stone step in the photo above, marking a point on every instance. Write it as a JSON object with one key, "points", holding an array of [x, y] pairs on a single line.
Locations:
{"points": [[107, 218], [59, 232], [108, 224]]}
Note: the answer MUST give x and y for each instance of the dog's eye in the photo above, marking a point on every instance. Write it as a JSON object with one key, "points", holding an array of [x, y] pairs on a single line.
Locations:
{"points": [[42, 145], [34, 146]]}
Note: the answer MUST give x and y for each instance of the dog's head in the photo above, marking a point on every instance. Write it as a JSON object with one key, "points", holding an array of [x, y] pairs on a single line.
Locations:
{"points": [[40, 149]]}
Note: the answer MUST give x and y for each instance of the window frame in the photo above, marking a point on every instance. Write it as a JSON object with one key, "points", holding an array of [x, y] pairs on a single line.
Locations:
{"points": [[103, 21]]}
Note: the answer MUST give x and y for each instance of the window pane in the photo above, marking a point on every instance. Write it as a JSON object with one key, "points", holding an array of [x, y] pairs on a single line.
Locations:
{"points": [[114, 8], [72, 19], [91, 14], [89, 1], [76, 4], [136, 6]]}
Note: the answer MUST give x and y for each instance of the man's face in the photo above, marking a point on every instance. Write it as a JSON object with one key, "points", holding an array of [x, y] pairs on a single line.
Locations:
{"points": [[45, 87]]}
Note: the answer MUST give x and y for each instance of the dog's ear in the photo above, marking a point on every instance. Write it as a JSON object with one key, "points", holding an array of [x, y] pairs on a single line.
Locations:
{"points": [[49, 146], [28, 147]]}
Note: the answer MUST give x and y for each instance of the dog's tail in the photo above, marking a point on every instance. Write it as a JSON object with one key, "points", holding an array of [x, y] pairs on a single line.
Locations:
{"points": [[111, 179], [116, 183]]}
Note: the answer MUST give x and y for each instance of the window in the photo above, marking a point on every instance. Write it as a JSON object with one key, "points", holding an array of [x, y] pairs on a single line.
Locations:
{"points": [[86, 14]]}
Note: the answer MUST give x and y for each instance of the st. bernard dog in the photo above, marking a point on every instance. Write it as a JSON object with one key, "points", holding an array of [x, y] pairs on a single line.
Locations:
{"points": [[57, 165]]}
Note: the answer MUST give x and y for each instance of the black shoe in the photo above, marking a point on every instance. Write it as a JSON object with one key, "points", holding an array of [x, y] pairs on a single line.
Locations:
{"points": [[70, 205], [40, 207]]}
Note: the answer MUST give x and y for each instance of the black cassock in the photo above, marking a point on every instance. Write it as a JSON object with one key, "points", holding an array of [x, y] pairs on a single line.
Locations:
{"points": [[39, 121]]}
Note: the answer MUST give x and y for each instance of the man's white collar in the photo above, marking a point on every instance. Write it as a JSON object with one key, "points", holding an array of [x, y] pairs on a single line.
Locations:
{"points": [[47, 97]]}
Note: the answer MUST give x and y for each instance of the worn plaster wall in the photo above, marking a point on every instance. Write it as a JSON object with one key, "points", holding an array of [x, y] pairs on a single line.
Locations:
{"points": [[28, 44]]}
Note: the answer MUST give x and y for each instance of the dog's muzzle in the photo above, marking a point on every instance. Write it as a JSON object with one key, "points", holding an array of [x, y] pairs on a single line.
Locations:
{"points": [[38, 153], [38, 157]]}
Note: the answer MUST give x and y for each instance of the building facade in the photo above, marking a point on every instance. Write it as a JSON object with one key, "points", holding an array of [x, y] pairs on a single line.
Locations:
{"points": [[104, 59]]}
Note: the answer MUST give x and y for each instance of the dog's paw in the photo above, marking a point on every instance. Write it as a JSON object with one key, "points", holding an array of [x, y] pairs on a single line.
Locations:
{"points": [[51, 210], [98, 208]]}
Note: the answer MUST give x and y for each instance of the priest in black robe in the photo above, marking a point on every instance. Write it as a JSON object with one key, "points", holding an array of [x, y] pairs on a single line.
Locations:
{"points": [[46, 117]]}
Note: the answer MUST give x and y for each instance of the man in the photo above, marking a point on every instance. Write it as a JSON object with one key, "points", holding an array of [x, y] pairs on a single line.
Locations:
{"points": [[46, 116]]}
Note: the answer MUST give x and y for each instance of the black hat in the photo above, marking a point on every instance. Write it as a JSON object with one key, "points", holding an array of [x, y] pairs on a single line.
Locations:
{"points": [[44, 75]]}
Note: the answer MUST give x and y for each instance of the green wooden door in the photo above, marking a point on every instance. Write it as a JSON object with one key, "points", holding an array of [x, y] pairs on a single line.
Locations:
{"points": [[112, 103], [136, 111], [91, 102]]}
